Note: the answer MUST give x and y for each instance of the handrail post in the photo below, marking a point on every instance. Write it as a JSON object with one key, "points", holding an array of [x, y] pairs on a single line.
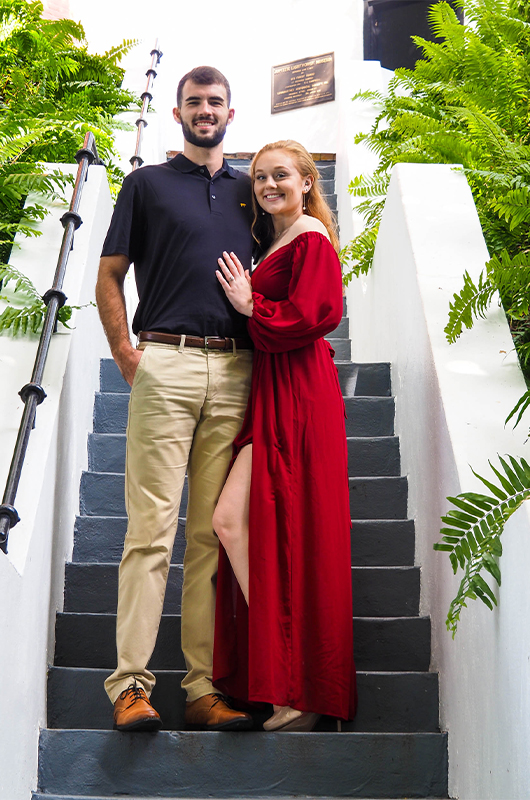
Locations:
{"points": [[136, 160], [32, 393]]}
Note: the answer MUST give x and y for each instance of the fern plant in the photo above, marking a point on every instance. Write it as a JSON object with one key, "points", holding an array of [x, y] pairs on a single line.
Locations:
{"points": [[29, 315], [52, 91], [472, 535], [467, 102]]}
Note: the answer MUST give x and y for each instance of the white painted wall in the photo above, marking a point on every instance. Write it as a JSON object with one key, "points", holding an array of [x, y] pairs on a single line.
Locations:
{"points": [[32, 574], [451, 402], [245, 45]]}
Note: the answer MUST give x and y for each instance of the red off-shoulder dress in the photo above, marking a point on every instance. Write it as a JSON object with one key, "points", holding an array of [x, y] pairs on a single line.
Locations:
{"points": [[293, 644]]}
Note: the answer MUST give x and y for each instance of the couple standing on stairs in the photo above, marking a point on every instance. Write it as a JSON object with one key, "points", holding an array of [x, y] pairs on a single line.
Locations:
{"points": [[267, 617]]}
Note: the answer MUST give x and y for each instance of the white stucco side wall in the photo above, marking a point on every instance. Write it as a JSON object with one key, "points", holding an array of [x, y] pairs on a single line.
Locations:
{"points": [[32, 574], [451, 402]]}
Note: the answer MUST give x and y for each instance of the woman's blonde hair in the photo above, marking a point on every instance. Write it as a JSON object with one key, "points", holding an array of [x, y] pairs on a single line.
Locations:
{"points": [[316, 206]]}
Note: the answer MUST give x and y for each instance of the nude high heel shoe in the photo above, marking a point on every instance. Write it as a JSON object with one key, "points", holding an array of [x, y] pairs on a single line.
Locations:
{"points": [[289, 719]]}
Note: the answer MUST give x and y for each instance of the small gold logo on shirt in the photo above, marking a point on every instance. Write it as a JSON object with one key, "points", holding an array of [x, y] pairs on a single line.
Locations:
{"points": [[243, 205]]}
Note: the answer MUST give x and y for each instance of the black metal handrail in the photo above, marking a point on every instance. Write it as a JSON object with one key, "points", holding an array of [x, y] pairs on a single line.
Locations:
{"points": [[136, 160], [32, 393]]}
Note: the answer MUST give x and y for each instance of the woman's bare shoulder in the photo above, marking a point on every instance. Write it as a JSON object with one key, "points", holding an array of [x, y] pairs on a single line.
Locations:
{"points": [[306, 223]]}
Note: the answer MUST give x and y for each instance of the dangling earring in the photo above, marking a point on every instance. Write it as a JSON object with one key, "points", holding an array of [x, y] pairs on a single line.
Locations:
{"points": [[303, 202]]}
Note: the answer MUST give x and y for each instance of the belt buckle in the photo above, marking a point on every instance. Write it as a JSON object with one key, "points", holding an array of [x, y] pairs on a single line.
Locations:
{"points": [[206, 341]]}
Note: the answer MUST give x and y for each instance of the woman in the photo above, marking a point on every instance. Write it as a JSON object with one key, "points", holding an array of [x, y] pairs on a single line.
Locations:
{"points": [[284, 634]]}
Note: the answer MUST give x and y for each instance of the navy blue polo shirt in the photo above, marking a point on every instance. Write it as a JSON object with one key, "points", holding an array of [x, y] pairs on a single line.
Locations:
{"points": [[173, 221]]}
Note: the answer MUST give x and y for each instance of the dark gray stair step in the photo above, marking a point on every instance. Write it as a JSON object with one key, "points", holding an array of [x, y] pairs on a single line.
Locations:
{"points": [[388, 701], [110, 412], [331, 200], [375, 543], [93, 588], [342, 348], [217, 764], [100, 539], [368, 380], [110, 378], [374, 415], [39, 796], [382, 542], [239, 163], [102, 494], [326, 170], [377, 591], [364, 380], [373, 456], [342, 331], [378, 498], [378, 455], [106, 452], [327, 186], [369, 416], [380, 644]]}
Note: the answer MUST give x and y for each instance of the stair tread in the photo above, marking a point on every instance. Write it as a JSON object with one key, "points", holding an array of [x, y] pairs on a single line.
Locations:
{"points": [[389, 701], [376, 589], [265, 764], [39, 796], [89, 640]]}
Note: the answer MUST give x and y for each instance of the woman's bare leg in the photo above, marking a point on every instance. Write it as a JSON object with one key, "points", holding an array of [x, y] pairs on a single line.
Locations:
{"points": [[230, 519]]}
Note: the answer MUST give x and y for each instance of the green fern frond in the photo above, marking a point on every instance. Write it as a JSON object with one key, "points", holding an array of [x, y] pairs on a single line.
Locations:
{"points": [[358, 255], [369, 186], [511, 277], [472, 301], [519, 408], [473, 530], [514, 206], [24, 320], [443, 21], [522, 346], [23, 285], [115, 54], [369, 96]]}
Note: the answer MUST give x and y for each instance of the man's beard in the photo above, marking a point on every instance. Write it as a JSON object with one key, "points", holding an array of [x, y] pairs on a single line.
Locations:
{"points": [[200, 141]]}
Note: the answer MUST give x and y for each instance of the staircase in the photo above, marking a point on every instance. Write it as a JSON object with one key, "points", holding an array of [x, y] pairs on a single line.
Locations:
{"points": [[393, 748]]}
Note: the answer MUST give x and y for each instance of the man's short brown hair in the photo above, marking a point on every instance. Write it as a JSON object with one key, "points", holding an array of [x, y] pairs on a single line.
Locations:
{"points": [[204, 76]]}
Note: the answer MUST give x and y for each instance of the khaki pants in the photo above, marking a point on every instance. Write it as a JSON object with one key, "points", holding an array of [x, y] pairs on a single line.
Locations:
{"points": [[186, 407]]}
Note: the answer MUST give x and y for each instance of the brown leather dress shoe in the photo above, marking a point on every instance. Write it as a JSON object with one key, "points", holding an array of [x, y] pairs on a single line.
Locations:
{"points": [[212, 712], [134, 712]]}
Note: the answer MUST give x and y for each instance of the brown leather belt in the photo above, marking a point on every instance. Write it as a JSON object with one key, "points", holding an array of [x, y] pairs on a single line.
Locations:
{"points": [[207, 343]]}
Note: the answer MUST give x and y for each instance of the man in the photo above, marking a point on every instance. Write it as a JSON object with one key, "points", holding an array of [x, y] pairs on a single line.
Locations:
{"points": [[190, 377]]}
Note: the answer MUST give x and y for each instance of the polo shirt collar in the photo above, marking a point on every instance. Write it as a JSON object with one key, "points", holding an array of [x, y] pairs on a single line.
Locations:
{"points": [[183, 164]]}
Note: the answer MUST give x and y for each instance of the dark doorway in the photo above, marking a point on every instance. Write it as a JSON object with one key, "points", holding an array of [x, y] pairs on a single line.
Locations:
{"points": [[388, 26]]}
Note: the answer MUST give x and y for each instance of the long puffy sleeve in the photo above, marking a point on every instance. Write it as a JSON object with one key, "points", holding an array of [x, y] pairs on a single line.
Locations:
{"points": [[313, 306]]}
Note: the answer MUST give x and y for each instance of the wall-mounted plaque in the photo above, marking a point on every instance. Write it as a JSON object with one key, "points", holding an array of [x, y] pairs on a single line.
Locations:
{"points": [[306, 82]]}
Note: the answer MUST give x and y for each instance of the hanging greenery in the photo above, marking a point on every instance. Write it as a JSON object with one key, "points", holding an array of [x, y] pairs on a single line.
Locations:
{"points": [[52, 91], [467, 102]]}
